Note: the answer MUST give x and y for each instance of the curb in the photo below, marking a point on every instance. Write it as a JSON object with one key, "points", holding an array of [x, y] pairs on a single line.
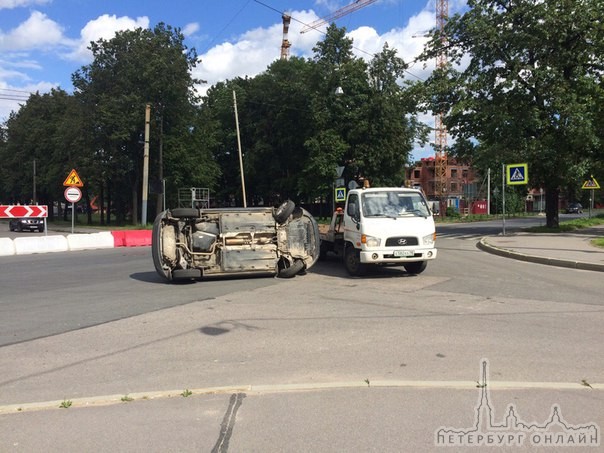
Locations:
{"points": [[264, 389], [582, 265]]}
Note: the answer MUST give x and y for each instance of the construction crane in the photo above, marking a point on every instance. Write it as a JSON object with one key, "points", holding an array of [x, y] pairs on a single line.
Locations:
{"points": [[352, 7], [285, 44], [440, 130]]}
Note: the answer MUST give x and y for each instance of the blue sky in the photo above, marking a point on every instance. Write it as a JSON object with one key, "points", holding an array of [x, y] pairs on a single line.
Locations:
{"points": [[42, 42]]}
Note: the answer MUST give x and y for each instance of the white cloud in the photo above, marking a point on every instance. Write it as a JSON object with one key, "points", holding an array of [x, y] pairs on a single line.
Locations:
{"points": [[10, 4], [37, 32], [190, 29], [251, 52], [104, 27]]}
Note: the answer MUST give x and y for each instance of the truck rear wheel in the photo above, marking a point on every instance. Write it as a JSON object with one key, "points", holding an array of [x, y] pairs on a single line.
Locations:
{"points": [[352, 262], [416, 268]]}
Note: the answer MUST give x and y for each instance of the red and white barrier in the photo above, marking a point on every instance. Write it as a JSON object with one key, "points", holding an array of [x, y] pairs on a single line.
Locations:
{"points": [[74, 242]]}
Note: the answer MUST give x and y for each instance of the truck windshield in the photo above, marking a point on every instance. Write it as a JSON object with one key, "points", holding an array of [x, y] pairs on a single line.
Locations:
{"points": [[394, 204]]}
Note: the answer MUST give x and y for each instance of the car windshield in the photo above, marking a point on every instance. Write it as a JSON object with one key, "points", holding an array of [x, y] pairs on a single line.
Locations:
{"points": [[394, 204]]}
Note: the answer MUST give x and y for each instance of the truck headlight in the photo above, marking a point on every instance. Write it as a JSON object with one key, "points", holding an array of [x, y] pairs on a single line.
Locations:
{"points": [[430, 239], [370, 241]]}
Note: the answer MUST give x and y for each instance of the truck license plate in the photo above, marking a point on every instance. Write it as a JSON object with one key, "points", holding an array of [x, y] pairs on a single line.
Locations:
{"points": [[404, 253]]}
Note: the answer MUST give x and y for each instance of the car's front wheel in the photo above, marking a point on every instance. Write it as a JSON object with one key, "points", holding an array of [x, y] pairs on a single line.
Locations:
{"points": [[289, 270], [284, 210]]}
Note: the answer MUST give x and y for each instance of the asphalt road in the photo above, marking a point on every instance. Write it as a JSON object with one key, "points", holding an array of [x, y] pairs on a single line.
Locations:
{"points": [[53, 293], [373, 364]]}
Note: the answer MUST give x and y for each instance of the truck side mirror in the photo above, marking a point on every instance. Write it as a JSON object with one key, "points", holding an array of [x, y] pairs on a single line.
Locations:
{"points": [[353, 212]]}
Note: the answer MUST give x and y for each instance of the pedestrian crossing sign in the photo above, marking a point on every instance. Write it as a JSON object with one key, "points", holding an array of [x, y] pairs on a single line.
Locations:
{"points": [[591, 184], [517, 174], [340, 194]]}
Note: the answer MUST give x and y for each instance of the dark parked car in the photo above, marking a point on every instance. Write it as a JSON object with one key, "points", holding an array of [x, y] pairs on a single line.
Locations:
{"points": [[190, 243], [574, 208], [26, 224]]}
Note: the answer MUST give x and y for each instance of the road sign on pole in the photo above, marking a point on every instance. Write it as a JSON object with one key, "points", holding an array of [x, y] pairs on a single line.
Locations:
{"points": [[73, 180], [23, 210], [516, 174], [591, 184], [340, 194], [73, 194]]}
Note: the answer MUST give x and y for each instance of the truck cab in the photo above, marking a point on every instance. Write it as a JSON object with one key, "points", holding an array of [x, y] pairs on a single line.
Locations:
{"points": [[383, 226]]}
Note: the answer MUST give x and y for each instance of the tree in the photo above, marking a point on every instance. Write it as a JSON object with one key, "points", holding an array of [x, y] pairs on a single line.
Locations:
{"points": [[134, 68], [524, 85], [49, 130]]}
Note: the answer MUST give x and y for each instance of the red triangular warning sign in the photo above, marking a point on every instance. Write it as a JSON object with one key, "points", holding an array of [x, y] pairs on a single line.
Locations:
{"points": [[73, 180]]}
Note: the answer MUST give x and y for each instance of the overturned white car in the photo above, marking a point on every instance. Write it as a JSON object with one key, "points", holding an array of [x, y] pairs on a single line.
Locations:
{"points": [[191, 243]]}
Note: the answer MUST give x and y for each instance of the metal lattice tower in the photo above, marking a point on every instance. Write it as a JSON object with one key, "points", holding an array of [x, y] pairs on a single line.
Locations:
{"points": [[442, 12]]}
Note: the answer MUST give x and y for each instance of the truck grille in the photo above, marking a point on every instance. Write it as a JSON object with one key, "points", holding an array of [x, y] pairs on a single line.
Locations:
{"points": [[402, 241]]}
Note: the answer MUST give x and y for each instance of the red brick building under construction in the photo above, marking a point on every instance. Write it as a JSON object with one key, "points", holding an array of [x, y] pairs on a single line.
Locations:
{"points": [[461, 189]]}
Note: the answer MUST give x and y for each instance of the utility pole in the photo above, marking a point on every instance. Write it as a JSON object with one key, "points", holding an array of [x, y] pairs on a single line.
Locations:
{"points": [[146, 165], [34, 191], [489, 191], [239, 147]]}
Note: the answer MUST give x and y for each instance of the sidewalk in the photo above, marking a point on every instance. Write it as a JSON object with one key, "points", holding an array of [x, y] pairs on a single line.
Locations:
{"points": [[573, 249]]}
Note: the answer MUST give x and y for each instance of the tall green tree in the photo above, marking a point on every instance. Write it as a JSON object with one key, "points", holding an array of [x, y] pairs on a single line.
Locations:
{"points": [[277, 109], [135, 68], [48, 129], [524, 85], [340, 92]]}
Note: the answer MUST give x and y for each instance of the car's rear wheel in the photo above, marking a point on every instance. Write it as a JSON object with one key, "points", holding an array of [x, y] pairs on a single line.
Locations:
{"points": [[182, 213]]}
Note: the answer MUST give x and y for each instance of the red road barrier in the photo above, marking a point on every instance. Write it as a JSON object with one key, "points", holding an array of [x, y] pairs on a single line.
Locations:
{"points": [[131, 238]]}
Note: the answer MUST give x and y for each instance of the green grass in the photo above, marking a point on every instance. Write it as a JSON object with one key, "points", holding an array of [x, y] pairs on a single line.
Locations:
{"points": [[570, 225], [598, 242]]}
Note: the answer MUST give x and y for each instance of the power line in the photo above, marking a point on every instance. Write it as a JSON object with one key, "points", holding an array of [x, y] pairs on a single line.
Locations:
{"points": [[322, 32]]}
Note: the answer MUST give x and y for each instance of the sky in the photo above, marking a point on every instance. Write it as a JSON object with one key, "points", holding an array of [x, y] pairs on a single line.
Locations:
{"points": [[43, 42]]}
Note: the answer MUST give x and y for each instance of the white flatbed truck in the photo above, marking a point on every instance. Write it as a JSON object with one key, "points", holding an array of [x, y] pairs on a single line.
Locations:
{"points": [[382, 226]]}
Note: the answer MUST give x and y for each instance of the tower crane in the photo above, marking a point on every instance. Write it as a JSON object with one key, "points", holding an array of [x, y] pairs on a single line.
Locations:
{"points": [[352, 7], [440, 130], [285, 44]]}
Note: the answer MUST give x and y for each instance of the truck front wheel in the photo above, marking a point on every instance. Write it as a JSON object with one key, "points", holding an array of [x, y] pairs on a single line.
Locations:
{"points": [[416, 268], [352, 262]]}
